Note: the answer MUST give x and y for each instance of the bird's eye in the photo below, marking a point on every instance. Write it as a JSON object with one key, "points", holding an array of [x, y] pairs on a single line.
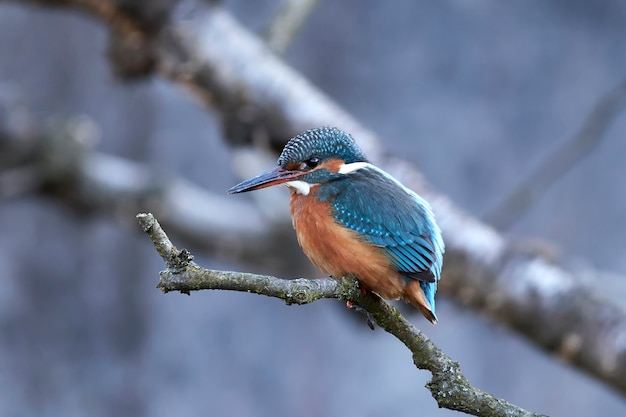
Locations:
{"points": [[313, 162]]}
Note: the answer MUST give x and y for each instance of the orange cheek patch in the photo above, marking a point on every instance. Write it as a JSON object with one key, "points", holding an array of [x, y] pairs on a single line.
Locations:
{"points": [[332, 165]]}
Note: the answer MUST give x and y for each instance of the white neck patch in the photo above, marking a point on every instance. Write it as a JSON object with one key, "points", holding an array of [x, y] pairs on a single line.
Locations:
{"points": [[355, 166], [300, 187]]}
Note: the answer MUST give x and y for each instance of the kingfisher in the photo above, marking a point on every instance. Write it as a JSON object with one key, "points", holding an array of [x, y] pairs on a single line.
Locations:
{"points": [[353, 218]]}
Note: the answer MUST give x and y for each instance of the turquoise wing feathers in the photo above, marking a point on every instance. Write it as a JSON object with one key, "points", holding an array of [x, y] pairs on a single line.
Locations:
{"points": [[394, 218]]}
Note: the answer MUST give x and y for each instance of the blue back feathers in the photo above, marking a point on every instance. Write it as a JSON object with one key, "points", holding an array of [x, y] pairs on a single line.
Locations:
{"points": [[387, 214]]}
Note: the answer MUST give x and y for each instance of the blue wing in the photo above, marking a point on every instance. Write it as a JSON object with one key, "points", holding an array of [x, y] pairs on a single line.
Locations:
{"points": [[389, 215]]}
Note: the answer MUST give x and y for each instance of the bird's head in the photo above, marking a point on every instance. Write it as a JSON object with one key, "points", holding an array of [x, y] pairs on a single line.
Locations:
{"points": [[316, 156]]}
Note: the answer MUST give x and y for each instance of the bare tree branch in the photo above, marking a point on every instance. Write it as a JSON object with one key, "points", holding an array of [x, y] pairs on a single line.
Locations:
{"points": [[449, 387], [560, 161], [263, 101]]}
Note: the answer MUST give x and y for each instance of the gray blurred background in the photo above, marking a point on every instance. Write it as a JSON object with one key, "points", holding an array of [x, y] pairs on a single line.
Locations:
{"points": [[475, 91]]}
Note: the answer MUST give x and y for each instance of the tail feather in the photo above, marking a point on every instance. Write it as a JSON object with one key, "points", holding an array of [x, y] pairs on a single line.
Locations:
{"points": [[414, 294]]}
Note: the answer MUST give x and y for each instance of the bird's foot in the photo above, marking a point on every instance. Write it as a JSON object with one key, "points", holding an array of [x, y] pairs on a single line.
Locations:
{"points": [[368, 317]]}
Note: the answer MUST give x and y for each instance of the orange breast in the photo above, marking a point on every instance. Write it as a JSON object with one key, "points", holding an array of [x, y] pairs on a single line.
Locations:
{"points": [[339, 251]]}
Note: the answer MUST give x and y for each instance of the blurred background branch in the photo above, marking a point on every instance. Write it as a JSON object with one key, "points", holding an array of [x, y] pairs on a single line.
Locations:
{"points": [[239, 77], [260, 102], [558, 162], [287, 22], [58, 158]]}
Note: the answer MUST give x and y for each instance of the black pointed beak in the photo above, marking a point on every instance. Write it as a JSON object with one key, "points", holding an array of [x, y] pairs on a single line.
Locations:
{"points": [[276, 176]]}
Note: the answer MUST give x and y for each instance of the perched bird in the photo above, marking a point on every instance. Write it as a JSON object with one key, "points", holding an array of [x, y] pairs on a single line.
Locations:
{"points": [[352, 217]]}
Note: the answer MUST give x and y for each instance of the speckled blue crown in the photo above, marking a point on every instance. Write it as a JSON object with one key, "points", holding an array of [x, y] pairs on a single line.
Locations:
{"points": [[323, 143]]}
